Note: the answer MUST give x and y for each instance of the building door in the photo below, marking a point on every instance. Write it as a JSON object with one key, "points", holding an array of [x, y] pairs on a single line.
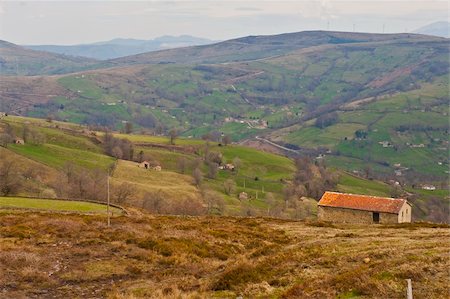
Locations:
{"points": [[376, 217]]}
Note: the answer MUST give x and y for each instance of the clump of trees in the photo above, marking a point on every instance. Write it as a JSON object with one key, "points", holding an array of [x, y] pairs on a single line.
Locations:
{"points": [[10, 179], [157, 203], [326, 120], [310, 180], [82, 183], [118, 148]]}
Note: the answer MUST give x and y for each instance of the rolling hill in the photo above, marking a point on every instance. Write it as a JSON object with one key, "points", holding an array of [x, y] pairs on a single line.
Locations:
{"points": [[441, 29], [146, 256], [19, 61], [122, 47], [310, 91], [68, 160]]}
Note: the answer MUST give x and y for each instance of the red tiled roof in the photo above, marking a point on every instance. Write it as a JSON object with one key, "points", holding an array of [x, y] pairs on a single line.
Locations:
{"points": [[362, 202]]}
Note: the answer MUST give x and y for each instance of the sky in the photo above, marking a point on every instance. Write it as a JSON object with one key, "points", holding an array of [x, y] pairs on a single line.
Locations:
{"points": [[76, 22]]}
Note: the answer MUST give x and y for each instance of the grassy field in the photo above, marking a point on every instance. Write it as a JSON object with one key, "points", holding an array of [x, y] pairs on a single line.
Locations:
{"points": [[352, 184], [144, 256], [405, 119], [262, 175], [56, 156], [55, 205]]}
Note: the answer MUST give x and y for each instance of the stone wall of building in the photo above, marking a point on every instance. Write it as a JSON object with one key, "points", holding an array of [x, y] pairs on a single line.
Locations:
{"points": [[405, 214], [352, 216]]}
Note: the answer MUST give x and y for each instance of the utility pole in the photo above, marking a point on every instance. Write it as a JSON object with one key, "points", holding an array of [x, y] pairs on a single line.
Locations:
{"points": [[409, 294], [107, 206]]}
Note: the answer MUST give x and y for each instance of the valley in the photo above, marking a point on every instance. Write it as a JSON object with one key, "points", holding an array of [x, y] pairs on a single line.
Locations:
{"points": [[372, 104]]}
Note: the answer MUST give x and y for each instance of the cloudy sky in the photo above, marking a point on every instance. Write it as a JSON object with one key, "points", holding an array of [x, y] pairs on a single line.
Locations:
{"points": [[73, 22]]}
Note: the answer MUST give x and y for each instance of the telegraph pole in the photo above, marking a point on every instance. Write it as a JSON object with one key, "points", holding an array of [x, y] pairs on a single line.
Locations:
{"points": [[107, 206]]}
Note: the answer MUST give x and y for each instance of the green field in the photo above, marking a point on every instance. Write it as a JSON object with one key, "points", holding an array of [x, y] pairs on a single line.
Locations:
{"points": [[56, 156], [259, 175], [56, 205]]}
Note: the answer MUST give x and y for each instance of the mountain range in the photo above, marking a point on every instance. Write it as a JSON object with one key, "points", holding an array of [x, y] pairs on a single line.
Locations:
{"points": [[372, 104], [441, 29], [122, 47]]}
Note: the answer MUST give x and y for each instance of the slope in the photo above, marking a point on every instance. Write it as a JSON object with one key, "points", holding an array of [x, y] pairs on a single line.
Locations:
{"points": [[19, 61], [145, 256], [122, 47]]}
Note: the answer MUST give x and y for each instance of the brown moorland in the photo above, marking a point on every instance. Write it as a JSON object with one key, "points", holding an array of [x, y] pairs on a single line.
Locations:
{"points": [[51, 255]]}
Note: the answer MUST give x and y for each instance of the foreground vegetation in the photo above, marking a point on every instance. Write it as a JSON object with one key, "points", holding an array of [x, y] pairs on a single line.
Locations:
{"points": [[143, 256]]}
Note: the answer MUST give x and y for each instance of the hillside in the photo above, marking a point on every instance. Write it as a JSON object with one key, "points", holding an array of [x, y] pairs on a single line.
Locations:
{"points": [[441, 29], [19, 61], [55, 151], [258, 47], [122, 47], [391, 88], [142, 256]]}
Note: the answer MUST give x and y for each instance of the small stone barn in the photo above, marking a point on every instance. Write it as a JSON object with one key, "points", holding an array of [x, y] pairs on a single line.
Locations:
{"points": [[144, 164], [353, 208]]}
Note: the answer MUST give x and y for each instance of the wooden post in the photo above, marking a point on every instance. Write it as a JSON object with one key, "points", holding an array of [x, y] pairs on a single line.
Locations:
{"points": [[409, 294], [244, 184], [107, 206]]}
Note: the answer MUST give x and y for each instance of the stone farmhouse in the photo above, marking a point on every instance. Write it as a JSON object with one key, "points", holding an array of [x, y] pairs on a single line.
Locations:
{"points": [[353, 208]]}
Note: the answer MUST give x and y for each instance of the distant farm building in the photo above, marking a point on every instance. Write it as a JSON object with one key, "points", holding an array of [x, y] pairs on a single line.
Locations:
{"points": [[148, 165], [429, 187], [144, 164], [228, 167], [353, 208], [243, 196], [19, 141]]}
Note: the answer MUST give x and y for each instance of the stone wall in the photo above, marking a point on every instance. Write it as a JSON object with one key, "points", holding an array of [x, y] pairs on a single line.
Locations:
{"points": [[352, 216], [405, 214]]}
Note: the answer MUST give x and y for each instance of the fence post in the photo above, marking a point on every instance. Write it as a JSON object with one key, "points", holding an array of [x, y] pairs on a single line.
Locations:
{"points": [[409, 294]]}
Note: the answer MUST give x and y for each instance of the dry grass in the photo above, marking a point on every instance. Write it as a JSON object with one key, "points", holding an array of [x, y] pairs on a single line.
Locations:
{"points": [[51, 255], [171, 184], [42, 174]]}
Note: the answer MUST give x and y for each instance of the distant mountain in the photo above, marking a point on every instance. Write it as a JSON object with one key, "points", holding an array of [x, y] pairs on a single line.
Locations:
{"points": [[121, 47], [441, 29], [20, 61], [259, 47], [367, 101]]}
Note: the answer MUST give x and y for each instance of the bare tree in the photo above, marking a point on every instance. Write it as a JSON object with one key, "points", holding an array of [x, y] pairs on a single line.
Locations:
{"points": [[173, 134], [226, 140], [117, 152], [153, 202], [128, 127], [198, 177], [237, 164], [213, 168], [5, 139], [123, 192], [214, 201], [182, 164], [229, 186], [10, 180]]}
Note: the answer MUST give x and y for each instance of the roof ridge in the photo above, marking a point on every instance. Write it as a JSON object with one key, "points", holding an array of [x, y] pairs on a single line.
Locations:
{"points": [[372, 196]]}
